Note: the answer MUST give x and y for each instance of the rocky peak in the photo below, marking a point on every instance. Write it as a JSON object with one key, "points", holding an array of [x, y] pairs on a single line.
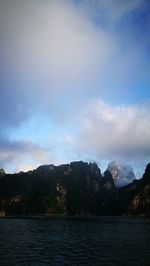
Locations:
{"points": [[95, 169], [146, 176], [122, 174], [45, 168], [108, 181], [2, 172]]}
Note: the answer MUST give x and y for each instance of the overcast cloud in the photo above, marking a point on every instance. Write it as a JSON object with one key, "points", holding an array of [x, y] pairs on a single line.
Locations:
{"points": [[56, 57], [115, 131]]}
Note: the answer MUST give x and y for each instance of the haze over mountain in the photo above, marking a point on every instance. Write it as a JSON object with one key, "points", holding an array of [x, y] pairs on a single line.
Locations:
{"points": [[74, 83], [122, 174]]}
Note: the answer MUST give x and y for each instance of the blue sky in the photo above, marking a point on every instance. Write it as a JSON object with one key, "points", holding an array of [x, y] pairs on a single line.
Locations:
{"points": [[74, 82]]}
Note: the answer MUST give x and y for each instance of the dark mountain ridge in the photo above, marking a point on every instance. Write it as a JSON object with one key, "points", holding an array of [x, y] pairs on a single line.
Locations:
{"points": [[77, 188]]}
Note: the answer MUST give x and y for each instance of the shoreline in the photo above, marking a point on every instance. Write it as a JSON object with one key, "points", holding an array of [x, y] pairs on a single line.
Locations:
{"points": [[64, 216]]}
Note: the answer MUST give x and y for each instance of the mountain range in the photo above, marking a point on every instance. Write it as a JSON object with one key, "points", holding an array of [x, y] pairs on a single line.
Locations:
{"points": [[77, 188]]}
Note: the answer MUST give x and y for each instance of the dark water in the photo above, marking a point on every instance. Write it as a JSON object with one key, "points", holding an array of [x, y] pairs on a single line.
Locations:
{"points": [[79, 241]]}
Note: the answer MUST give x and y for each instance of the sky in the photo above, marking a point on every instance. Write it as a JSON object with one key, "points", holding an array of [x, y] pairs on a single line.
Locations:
{"points": [[74, 82]]}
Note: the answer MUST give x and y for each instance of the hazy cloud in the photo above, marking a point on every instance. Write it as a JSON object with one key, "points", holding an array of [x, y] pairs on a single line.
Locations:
{"points": [[48, 49], [115, 132], [19, 152], [122, 174], [53, 49], [55, 57], [54, 40]]}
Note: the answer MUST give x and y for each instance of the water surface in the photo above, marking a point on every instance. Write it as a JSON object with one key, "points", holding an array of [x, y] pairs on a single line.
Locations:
{"points": [[75, 241]]}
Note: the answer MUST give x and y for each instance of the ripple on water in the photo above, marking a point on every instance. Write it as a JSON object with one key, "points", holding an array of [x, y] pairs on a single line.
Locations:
{"points": [[97, 241]]}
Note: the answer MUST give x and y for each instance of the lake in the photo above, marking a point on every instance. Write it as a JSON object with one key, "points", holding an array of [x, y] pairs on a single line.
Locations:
{"points": [[75, 241]]}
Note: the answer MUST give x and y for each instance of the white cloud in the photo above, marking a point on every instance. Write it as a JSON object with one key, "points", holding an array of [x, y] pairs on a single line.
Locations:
{"points": [[53, 48], [14, 154], [110, 133], [55, 56], [55, 43], [122, 174]]}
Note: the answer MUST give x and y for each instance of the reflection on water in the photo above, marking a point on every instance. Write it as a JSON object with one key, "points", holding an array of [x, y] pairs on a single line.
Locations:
{"points": [[75, 241]]}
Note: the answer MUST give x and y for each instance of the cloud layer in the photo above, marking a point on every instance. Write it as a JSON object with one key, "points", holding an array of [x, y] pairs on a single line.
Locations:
{"points": [[114, 132], [58, 55], [104, 132], [25, 154]]}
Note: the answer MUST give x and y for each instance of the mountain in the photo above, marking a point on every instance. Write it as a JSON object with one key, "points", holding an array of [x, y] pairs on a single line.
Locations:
{"points": [[122, 174], [70, 188], [2, 172], [77, 188], [140, 204]]}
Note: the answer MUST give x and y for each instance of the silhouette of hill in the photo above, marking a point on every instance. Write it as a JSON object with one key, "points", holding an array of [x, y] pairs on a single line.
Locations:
{"points": [[77, 188]]}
